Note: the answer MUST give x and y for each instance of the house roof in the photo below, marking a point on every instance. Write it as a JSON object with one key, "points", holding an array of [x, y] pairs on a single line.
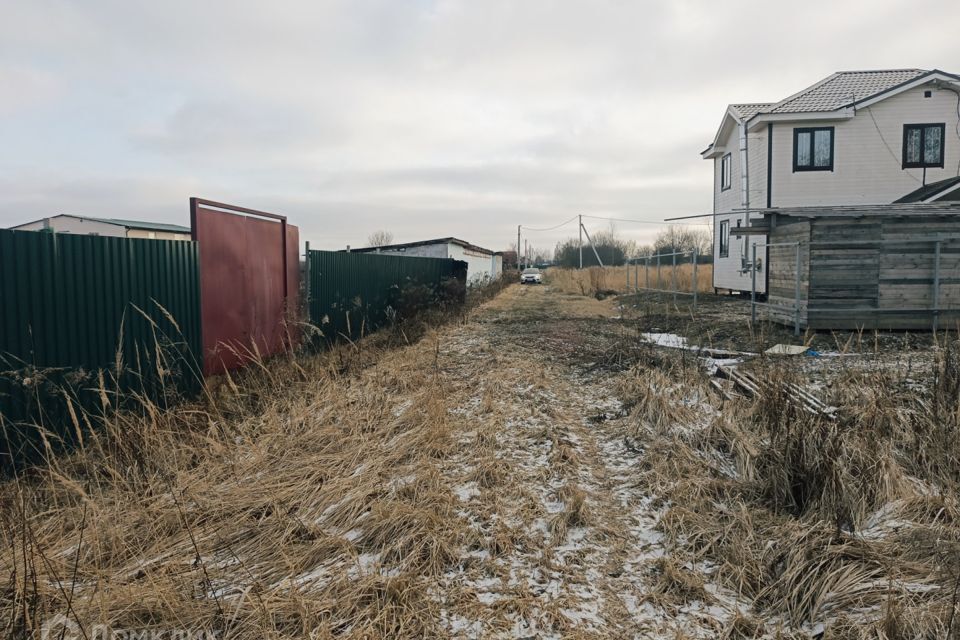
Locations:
{"points": [[908, 209], [931, 192], [404, 245], [129, 224], [845, 88], [142, 224], [748, 110], [838, 91]]}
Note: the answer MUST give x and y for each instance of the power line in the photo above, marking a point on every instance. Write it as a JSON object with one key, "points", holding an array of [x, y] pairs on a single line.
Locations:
{"points": [[566, 222], [661, 222], [549, 228]]}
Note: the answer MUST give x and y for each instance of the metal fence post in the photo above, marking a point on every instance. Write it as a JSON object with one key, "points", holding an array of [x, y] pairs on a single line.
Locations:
{"points": [[673, 279], [306, 293], [695, 252], [646, 272], [753, 290], [658, 271], [796, 293], [636, 276], [936, 285]]}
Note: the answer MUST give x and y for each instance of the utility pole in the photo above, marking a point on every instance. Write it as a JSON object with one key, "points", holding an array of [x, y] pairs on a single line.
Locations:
{"points": [[581, 241], [592, 246], [518, 247], [526, 252]]}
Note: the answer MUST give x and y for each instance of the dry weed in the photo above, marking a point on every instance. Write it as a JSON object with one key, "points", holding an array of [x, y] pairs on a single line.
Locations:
{"points": [[604, 281], [812, 518]]}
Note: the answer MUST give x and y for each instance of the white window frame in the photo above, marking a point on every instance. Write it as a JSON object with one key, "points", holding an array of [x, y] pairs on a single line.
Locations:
{"points": [[726, 172]]}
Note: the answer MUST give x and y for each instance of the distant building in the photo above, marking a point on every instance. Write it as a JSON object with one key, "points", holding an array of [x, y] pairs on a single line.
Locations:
{"points": [[482, 263], [81, 225], [855, 138]]}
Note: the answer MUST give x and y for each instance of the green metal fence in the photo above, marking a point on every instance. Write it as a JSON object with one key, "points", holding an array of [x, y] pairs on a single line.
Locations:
{"points": [[81, 314], [351, 294]]}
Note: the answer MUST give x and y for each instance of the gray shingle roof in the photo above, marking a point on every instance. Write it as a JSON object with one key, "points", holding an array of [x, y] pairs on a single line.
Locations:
{"points": [[844, 88], [748, 110]]}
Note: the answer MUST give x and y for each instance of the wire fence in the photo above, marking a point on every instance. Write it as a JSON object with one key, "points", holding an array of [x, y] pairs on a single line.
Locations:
{"points": [[660, 274], [895, 283]]}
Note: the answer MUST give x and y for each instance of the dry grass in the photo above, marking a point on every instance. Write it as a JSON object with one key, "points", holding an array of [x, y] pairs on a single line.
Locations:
{"points": [[676, 584], [225, 516], [814, 519], [609, 280], [374, 491], [456, 487], [301, 496]]}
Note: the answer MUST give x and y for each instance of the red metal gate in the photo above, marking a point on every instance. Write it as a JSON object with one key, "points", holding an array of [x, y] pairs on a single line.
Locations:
{"points": [[249, 282]]}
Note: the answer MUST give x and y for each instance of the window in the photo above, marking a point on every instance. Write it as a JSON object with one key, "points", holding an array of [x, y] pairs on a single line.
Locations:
{"points": [[725, 172], [923, 145], [813, 149], [724, 238]]}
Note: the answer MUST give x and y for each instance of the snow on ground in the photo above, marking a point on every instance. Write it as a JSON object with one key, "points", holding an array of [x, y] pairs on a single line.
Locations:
{"points": [[566, 534]]}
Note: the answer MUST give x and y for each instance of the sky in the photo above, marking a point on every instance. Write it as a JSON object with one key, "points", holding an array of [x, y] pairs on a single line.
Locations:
{"points": [[425, 118]]}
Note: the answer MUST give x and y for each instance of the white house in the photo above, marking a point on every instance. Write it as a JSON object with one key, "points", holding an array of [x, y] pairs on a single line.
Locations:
{"points": [[482, 264], [854, 138], [83, 225]]}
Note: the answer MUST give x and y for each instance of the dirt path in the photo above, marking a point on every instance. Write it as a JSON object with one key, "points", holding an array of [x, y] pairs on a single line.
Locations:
{"points": [[482, 482], [565, 543], [537, 470]]}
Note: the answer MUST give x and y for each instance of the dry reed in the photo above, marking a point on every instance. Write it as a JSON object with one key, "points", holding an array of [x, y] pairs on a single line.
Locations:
{"points": [[814, 519], [609, 280]]}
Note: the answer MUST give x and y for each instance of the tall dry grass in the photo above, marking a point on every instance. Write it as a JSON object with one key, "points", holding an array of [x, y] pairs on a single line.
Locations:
{"points": [[299, 497], [607, 280], [852, 521]]}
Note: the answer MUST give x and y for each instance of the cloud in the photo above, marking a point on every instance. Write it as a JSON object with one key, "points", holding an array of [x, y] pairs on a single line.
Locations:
{"points": [[29, 88], [425, 117], [239, 131]]}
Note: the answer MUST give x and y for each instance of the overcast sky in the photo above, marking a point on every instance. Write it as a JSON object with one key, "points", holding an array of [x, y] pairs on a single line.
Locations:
{"points": [[426, 118]]}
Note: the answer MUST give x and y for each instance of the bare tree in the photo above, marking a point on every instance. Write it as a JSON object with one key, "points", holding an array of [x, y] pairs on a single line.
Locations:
{"points": [[684, 238], [380, 238], [612, 249]]}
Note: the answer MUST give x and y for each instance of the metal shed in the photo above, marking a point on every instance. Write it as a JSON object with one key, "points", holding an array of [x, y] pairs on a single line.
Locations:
{"points": [[893, 266]]}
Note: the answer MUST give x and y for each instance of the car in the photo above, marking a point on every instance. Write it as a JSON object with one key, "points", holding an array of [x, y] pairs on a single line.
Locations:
{"points": [[531, 276]]}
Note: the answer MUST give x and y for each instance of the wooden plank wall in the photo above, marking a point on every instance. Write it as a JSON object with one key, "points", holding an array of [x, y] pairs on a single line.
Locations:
{"points": [[844, 276], [907, 268], [884, 278], [782, 269]]}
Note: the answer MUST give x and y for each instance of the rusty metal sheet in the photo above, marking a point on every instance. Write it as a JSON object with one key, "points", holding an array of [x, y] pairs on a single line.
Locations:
{"points": [[248, 279]]}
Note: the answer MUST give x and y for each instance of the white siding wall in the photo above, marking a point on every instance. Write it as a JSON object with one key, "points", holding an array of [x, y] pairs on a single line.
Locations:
{"points": [[83, 226], [157, 235], [865, 170], [480, 266], [728, 199], [727, 272], [757, 151], [71, 224], [422, 251]]}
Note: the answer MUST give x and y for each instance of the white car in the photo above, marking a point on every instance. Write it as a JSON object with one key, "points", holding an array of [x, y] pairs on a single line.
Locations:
{"points": [[531, 276]]}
